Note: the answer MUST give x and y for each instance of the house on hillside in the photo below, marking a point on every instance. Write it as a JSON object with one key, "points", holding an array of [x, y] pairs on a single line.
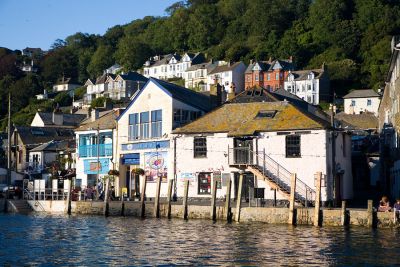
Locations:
{"points": [[144, 133], [57, 119], [95, 89], [171, 65], [311, 85], [268, 140], [114, 69], [28, 67], [95, 155], [230, 76], [65, 85], [359, 101], [269, 74], [124, 85], [30, 51], [196, 75]]}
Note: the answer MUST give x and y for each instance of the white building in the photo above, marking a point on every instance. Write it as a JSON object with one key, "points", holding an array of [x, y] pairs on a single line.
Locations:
{"points": [[171, 65], [124, 85], [144, 133], [359, 101], [226, 75], [95, 155], [310, 85], [65, 85], [272, 138], [95, 89]]}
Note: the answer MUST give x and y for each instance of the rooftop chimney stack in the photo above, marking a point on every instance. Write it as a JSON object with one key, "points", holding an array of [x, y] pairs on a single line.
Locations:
{"points": [[94, 114]]}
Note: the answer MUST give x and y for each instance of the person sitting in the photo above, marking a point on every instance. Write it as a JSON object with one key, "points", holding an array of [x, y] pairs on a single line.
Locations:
{"points": [[384, 204]]}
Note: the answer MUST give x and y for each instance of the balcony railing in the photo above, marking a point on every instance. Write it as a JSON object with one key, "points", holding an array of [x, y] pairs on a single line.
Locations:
{"points": [[102, 150]]}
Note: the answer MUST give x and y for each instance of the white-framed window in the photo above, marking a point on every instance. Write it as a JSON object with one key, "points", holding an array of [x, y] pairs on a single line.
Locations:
{"points": [[369, 102], [144, 125], [156, 123], [133, 126], [277, 76]]}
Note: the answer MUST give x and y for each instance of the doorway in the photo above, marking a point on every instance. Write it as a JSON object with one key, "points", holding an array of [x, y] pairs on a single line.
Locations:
{"points": [[248, 184], [243, 148]]}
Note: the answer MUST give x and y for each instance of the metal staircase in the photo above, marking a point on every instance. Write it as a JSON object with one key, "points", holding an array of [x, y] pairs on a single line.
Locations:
{"points": [[277, 176]]}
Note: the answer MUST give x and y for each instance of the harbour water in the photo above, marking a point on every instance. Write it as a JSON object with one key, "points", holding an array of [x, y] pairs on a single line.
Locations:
{"points": [[46, 240]]}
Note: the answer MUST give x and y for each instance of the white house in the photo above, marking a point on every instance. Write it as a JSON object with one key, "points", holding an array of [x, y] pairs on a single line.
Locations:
{"points": [[95, 89], [65, 85], [171, 65], [95, 154], [359, 101], [226, 75], [268, 141], [114, 69], [310, 85], [124, 85], [144, 133]]}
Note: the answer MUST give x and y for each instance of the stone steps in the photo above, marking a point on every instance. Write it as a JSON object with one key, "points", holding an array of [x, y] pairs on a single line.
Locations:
{"points": [[19, 206]]}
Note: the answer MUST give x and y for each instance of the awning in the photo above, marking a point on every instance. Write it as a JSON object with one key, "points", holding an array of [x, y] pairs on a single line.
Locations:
{"points": [[131, 159]]}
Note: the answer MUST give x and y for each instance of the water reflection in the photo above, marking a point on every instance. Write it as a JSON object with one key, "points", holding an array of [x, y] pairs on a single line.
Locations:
{"points": [[116, 241]]}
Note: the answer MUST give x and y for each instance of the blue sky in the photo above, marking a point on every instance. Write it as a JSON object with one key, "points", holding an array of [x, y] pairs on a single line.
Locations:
{"points": [[38, 23]]}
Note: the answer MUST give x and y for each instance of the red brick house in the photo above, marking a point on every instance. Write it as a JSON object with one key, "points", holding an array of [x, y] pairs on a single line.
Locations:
{"points": [[269, 74]]}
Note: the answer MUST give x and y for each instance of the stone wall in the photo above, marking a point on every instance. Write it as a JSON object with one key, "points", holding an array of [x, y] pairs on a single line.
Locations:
{"points": [[303, 216]]}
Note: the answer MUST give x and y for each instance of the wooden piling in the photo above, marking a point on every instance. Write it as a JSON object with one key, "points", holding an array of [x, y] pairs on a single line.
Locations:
{"points": [[185, 200], [343, 216], [157, 199], [292, 199], [317, 213], [239, 197], [106, 198], [169, 196], [142, 197], [370, 215], [69, 198], [228, 201], [213, 201]]}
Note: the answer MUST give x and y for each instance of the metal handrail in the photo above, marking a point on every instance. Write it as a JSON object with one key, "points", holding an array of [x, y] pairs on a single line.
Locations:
{"points": [[273, 170]]}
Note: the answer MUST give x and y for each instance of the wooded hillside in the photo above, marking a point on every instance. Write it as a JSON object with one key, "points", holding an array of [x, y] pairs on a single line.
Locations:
{"points": [[351, 36]]}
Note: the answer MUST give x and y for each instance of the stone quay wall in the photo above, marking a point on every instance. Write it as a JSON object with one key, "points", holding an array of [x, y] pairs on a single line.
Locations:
{"points": [[271, 215]]}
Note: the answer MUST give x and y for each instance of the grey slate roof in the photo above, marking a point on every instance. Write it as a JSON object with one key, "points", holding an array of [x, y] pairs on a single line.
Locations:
{"points": [[224, 68], [35, 136], [362, 93], [133, 76], [69, 120], [268, 65], [185, 95], [300, 75], [364, 121], [53, 146], [102, 79]]}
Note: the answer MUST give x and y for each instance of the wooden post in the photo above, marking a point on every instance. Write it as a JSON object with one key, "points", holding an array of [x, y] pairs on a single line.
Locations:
{"points": [[142, 197], [292, 199], [213, 201], [107, 198], [157, 199], [228, 201], [169, 196], [239, 197], [185, 200], [69, 198], [343, 213], [317, 199], [370, 215]]}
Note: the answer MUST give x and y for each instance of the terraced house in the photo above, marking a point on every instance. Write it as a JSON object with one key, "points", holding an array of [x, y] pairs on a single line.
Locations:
{"points": [[268, 140]]}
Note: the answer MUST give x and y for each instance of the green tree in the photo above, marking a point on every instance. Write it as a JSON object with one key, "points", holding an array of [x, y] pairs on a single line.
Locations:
{"points": [[101, 59], [132, 53]]}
